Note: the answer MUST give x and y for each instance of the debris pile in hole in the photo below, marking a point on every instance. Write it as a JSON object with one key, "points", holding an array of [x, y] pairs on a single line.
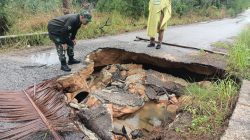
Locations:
{"points": [[119, 90]]}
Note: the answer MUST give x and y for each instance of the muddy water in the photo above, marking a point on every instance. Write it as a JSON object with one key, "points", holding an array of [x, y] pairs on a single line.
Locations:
{"points": [[46, 58], [147, 118]]}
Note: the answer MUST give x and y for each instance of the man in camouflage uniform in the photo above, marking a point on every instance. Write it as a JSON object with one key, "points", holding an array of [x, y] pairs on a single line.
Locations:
{"points": [[62, 31]]}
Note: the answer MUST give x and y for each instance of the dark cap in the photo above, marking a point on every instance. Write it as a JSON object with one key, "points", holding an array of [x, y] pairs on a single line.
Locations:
{"points": [[86, 15]]}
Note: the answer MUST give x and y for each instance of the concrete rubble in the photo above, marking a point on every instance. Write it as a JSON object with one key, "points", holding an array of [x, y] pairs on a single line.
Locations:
{"points": [[117, 91]]}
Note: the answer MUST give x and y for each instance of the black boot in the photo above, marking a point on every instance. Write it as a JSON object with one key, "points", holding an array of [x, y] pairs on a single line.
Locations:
{"points": [[73, 61], [151, 45], [158, 46], [65, 67]]}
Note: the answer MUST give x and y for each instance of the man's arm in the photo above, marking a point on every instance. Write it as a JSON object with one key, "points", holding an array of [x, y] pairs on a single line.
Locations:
{"points": [[65, 33], [73, 35]]}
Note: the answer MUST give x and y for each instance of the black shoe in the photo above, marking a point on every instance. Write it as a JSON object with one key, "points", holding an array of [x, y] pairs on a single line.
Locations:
{"points": [[151, 45], [65, 68], [158, 46], [73, 61]]}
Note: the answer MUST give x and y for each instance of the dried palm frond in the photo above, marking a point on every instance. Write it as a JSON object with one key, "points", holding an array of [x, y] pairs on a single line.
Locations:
{"points": [[38, 108]]}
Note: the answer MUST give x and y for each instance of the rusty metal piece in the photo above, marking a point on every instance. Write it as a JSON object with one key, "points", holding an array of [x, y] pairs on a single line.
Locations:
{"points": [[183, 46]]}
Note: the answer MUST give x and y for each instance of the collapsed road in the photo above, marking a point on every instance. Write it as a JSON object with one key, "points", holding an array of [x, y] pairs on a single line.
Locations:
{"points": [[97, 101]]}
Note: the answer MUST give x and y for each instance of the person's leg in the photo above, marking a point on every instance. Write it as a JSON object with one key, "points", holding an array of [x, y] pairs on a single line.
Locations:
{"points": [[60, 52], [152, 42], [160, 31], [62, 58], [152, 26], [70, 52], [160, 38]]}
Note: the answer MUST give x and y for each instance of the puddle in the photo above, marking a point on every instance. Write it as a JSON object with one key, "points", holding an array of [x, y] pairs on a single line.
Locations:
{"points": [[47, 58], [150, 116]]}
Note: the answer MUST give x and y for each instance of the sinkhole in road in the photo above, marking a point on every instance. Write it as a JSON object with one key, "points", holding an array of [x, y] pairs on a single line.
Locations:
{"points": [[128, 94]]}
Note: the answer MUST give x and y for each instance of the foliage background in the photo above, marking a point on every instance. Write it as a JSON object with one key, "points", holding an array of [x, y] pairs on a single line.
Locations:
{"points": [[29, 16]]}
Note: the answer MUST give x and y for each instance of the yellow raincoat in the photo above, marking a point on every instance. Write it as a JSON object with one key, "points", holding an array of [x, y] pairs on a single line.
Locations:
{"points": [[155, 8]]}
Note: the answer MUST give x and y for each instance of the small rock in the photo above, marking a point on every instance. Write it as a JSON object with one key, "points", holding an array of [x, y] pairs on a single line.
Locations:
{"points": [[99, 120], [75, 101], [172, 95], [101, 81], [136, 71], [89, 135], [182, 121], [65, 98], [171, 112], [77, 106], [123, 103], [136, 78], [136, 134], [68, 96], [92, 101], [131, 66], [118, 84], [163, 99], [173, 100], [151, 94], [137, 88], [123, 74], [155, 122], [205, 84], [172, 108], [111, 68]]}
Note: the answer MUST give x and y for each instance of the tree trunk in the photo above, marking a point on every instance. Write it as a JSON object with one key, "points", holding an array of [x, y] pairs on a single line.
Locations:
{"points": [[3, 25], [66, 7]]}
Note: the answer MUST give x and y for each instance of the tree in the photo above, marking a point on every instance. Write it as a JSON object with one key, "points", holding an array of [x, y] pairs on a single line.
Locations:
{"points": [[3, 19]]}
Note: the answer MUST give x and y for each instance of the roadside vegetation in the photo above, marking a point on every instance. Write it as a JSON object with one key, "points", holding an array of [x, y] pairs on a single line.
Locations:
{"points": [[213, 103], [110, 16], [239, 54], [211, 107]]}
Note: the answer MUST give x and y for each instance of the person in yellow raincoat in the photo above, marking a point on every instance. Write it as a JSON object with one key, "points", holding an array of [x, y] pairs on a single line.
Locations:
{"points": [[159, 14]]}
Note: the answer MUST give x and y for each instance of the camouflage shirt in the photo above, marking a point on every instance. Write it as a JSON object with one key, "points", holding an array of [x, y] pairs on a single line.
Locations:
{"points": [[65, 27]]}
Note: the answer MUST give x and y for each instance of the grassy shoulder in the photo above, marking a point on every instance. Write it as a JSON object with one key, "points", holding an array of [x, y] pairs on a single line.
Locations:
{"points": [[239, 54], [214, 102], [212, 105]]}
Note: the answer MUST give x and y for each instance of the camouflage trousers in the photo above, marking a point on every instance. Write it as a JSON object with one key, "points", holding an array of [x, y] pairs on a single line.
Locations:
{"points": [[60, 50]]}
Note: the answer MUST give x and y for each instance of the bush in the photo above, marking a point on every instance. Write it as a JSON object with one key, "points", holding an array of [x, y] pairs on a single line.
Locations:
{"points": [[181, 7], [131, 8], [237, 6], [35, 6], [3, 20]]}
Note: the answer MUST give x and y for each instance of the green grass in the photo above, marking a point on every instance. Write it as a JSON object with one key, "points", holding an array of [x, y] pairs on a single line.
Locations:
{"points": [[222, 45], [239, 56], [23, 42], [211, 106], [117, 24]]}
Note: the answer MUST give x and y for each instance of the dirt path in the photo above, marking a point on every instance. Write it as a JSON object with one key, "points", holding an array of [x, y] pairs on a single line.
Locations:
{"points": [[24, 68]]}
